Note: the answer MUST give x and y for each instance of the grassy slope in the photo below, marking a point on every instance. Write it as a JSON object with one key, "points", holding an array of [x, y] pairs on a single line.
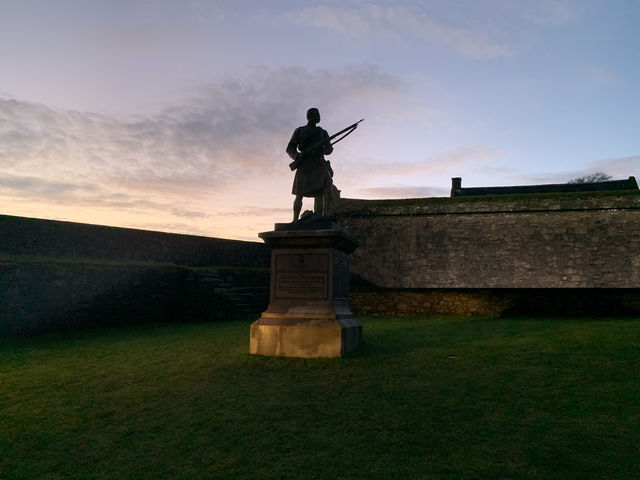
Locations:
{"points": [[522, 399], [105, 263]]}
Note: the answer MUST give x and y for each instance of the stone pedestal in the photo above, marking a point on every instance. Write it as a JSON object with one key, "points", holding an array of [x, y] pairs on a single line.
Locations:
{"points": [[308, 314]]}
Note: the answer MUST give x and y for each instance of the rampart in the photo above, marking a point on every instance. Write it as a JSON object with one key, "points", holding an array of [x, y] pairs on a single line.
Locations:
{"points": [[494, 250], [559, 253], [59, 274], [50, 238]]}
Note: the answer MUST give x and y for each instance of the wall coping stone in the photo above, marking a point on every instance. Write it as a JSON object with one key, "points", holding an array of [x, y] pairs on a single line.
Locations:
{"points": [[490, 204]]}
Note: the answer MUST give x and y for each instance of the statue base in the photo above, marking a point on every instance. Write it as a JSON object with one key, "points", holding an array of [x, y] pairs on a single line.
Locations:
{"points": [[306, 338], [308, 314]]}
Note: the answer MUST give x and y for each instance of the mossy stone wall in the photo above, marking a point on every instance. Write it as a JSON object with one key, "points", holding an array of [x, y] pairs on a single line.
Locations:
{"points": [[497, 302]]}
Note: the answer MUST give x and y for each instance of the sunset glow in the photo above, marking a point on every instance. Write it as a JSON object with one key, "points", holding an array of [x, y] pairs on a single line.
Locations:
{"points": [[174, 115]]}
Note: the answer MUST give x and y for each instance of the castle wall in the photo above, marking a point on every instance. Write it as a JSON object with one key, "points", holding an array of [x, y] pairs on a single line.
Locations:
{"points": [[524, 242], [548, 302], [50, 238], [52, 294], [57, 275], [528, 254]]}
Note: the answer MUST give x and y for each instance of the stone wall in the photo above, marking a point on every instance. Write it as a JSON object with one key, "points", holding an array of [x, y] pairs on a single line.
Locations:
{"points": [[496, 302], [56, 275], [428, 302], [49, 238], [523, 242], [528, 254], [48, 294]]}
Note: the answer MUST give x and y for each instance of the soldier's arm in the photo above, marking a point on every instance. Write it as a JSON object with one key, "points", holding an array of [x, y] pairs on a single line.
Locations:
{"points": [[327, 148], [292, 146]]}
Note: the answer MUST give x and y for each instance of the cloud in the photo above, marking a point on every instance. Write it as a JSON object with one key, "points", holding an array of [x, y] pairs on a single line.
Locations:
{"points": [[223, 147], [228, 131], [39, 187], [619, 168], [403, 191], [602, 76], [257, 211], [463, 158], [87, 195], [395, 22], [548, 13]]}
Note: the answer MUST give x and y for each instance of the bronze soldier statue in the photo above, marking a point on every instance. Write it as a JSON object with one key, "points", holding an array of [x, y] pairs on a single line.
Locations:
{"points": [[307, 148]]}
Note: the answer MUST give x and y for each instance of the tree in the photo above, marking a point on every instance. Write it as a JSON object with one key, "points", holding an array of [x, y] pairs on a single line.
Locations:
{"points": [[593, 177]]}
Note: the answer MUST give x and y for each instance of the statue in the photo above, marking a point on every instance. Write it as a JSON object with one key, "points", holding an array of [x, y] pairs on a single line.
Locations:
{"points": [[308, 314], [314, 175]]}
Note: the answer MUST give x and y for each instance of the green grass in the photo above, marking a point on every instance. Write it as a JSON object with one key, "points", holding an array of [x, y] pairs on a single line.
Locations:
{"points": [[523, 398]]}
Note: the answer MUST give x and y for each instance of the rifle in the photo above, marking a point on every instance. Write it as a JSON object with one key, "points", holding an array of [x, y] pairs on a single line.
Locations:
{"points": [[347, 131]]}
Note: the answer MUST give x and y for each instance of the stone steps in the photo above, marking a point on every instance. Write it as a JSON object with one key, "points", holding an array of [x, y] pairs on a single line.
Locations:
{"points": [[247, 300]]}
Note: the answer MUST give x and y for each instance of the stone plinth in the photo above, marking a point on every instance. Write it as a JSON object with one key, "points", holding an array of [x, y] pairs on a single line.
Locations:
{"points": [[308, 314]]}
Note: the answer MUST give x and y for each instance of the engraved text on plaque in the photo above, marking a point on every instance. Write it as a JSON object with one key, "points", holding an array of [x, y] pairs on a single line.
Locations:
{"points": [[302, 276]]}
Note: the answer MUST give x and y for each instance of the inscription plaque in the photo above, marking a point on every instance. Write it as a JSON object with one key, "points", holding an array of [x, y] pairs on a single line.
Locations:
{"points": [[302, 276]]}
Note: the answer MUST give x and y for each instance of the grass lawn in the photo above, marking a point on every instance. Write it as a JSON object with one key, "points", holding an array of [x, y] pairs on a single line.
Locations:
{"points": [[523, 398]]}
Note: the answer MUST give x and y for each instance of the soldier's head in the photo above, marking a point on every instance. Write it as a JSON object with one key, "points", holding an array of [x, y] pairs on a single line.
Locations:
{"points": [[313, 115]]}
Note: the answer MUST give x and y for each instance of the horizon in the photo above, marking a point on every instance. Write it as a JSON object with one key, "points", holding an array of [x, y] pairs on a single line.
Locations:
{"points": [[174, 116], [257, 240]]}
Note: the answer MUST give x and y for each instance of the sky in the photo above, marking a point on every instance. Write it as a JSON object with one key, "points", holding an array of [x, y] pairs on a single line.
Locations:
{"points": [[174, 115]]}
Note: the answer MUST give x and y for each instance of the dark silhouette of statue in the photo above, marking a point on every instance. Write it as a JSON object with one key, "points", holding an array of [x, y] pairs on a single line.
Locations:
{"points": [[307, 148]]}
